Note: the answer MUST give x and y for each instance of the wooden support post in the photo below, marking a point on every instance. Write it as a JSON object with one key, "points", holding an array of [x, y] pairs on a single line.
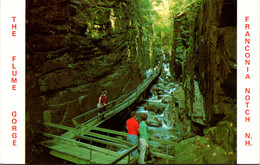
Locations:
{"points": [[74, 122], [174, 154], [166, 153], [107, 144], [128, 159], [90, 154]]}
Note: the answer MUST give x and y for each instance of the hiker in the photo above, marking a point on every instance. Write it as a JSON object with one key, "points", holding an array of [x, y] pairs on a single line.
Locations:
{"points": [[144, 138], [102, 102], [105, 98], [133, 128]]}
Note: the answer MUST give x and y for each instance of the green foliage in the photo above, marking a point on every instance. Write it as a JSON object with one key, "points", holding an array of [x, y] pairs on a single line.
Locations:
{"points": [[71, 66], [147, 26]]}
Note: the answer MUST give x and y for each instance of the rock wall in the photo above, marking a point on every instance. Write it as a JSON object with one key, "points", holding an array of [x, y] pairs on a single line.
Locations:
{"points": [[205, 52], [215, 56], [204, 63], [75, 49]]}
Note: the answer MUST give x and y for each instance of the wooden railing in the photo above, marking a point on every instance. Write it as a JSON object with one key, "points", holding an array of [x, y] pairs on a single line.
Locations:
{"points": [[94, 137], [167, 143], [84, 128], [118, 104], [126, 153]]}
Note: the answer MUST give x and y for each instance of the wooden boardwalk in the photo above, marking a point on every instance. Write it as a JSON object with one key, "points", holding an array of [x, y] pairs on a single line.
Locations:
{"points": [[81, 149], [86, 143]]}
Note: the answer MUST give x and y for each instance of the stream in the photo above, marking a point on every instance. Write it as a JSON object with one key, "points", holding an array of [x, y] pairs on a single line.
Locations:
{"points": [[156, 107], [163, 132]]}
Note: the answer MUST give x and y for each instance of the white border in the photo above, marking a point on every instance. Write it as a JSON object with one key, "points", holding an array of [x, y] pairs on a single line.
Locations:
{"points": [[12, 100], [16, 101], [248, 154]]}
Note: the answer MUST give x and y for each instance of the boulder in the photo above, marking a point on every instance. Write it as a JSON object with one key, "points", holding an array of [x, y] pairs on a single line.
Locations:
{"points": [[175, 116], [171, 85], [160, 96], [170, 117], [218, 146], [217, 155], [161, 92], [224, 134], [190, 151], [160, 80], [156, 107], [154, 89], [152, 120], [167, 89], [161, 86], [166, 99]]}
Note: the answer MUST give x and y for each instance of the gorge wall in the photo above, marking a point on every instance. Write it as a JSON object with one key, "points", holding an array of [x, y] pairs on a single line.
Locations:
{"points": [[203, 60], [76, 49], [204, 52]]}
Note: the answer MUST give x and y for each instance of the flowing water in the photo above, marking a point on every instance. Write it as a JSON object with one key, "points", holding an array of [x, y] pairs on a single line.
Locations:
{"points": [[163, 132]]}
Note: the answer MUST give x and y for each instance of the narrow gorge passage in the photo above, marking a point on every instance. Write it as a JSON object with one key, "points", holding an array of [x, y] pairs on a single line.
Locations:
{"points": [[75, 49]]}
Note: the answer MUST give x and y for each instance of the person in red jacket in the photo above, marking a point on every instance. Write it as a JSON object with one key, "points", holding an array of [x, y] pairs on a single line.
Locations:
{"points": [[133, 129], [102, 102], [105, 99]]}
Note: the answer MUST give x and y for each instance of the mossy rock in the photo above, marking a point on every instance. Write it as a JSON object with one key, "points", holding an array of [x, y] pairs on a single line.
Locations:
{"points": [[190, 151], [156, 107], [218, 155], [224, 135]]}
